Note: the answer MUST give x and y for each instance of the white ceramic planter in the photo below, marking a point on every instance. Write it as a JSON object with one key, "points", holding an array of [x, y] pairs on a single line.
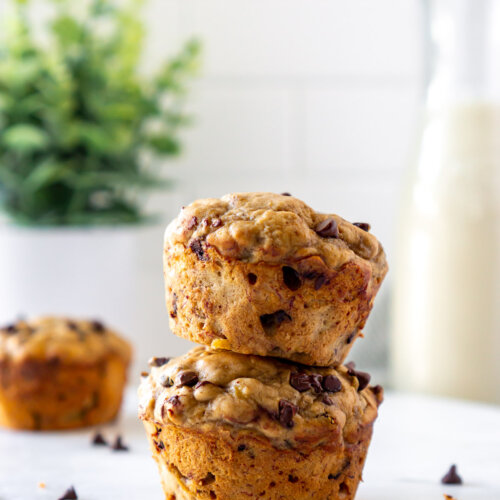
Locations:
{"points": [[112, 274]]}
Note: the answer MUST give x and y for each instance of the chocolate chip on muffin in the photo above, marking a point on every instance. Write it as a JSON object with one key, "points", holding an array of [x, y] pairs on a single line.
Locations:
{"points": [[362, 225], [291, 278], [286, 413], [328, 228], [274, 319], [188, 378], [158, 361]]}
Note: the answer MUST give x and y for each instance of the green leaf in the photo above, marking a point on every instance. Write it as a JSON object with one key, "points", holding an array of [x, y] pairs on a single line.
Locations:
{"points": [[67, 30], [25, 137], [44, 174], [164, 144]]}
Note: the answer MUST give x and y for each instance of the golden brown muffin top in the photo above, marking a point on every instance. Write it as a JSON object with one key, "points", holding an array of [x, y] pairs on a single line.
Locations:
{"points": [[291, 404], [268, 227], [50, 338]]}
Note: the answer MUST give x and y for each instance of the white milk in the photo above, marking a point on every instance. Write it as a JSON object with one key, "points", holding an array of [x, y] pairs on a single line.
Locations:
{"points": [[446, 330]]}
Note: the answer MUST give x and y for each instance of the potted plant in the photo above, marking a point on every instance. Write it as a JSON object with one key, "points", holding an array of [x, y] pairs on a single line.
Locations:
{"points": [[81, 138]]}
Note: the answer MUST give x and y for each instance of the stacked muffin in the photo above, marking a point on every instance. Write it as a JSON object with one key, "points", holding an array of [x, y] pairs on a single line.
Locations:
{"points": [[256, 277]]}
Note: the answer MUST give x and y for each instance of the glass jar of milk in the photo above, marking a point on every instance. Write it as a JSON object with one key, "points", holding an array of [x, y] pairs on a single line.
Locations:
{"points": [[446, 316]]}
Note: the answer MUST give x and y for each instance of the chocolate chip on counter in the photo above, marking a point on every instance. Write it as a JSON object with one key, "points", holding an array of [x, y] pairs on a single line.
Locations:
{"points": [[154, 361], [286, 413], [188, 378], [362, 225], [286, 194], [451, 477], [97, 326], [192, 222], [448, 497], [315, 380], [196, 247], [69, 494], [291, 278], [98, 440], [300, 381], [242, 447], [118, 445], [252, 278], [274, 319], [331, 383], [328, 228], [319, 281], [216, 222]]}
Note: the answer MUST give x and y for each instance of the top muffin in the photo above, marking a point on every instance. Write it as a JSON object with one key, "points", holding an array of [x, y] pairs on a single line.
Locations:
{"points": [[262, 273]]}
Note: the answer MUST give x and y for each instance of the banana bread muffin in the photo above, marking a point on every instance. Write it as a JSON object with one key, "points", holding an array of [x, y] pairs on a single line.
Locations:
{"points": [[228, 426], [261, 273], [57, 373]]}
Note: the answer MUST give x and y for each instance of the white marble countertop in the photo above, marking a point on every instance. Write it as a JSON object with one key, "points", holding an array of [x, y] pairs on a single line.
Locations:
{"points": [[416, 439]]}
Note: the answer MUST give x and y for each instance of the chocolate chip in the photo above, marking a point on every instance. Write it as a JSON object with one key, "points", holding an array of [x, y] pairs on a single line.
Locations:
{"points": [[166, 381], [315, 380], [363, 377], [331, 383], [451, 477], [98, 440], [202, 383], [208, 479], [286, 413], [10, 328], [351, 337], [319, 281], [69, 494], [188, 378], [300, 381], [362, 225], [144, 374], [285, 194], [252, 278], [291, 278], [327, 401], [242, 447], [118, 445], [159, 445], [292, 479], [328, 228], [193, 221], [274, 319], [196, 247], [97, 326], [378, 389], [174, 401], [158, 361], [216, 222], [334, 476], [173, 311], [72, 325]]}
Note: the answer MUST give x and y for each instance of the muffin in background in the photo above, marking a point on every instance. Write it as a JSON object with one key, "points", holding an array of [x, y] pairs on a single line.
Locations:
{"points": [[60, 373], [227, 426], [263, 273]]}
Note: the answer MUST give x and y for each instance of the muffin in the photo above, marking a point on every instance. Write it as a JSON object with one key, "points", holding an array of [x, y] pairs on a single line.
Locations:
{"points": [[57, 373], [225, 425], [261, 273]]}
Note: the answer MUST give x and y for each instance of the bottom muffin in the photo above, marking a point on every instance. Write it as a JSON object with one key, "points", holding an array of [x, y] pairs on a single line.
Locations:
{"points": [[227, 426], [57, 373]]}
